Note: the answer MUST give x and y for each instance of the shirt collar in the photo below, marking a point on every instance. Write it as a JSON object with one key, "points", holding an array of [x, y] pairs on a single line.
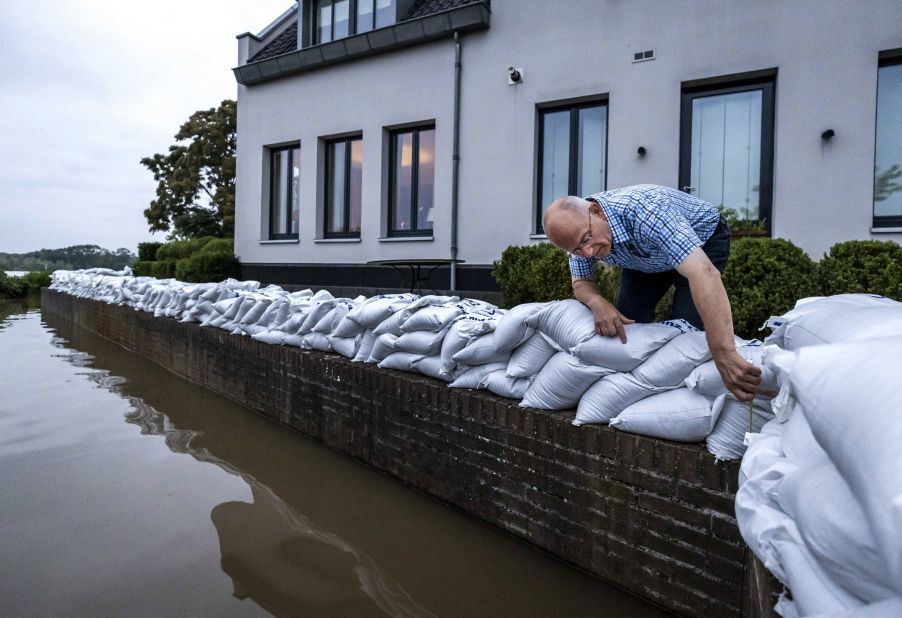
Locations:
{"points": [[619, 234]]}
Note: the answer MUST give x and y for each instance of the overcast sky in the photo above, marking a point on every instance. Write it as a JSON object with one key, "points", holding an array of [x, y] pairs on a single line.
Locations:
{"points": [[87, 88]]}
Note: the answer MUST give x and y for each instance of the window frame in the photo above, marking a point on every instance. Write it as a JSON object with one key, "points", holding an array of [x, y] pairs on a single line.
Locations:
{"points": [[274, 151], [352, 20], [765, 83], [414, 180], [885, 59], [574, 108], [328, 188]]}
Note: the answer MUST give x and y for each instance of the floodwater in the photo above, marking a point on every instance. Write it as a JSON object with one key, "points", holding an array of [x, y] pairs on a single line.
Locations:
{"points": [[126, 491]]}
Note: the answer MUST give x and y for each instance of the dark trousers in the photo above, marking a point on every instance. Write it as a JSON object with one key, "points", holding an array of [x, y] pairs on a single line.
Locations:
{"points": [[640, 292]]}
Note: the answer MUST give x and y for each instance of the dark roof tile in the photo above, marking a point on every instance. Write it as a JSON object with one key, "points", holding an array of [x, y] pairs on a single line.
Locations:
{"points": [[287, 40]]}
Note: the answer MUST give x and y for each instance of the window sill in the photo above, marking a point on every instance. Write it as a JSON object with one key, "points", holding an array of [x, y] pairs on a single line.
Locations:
{"points": [[281, 241], [338, 240], [538, 237], [405, 238], [886, 230]]}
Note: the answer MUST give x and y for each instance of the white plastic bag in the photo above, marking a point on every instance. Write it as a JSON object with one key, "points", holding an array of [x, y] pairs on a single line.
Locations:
{"points": [[681, 415], [560, 383], [641, 341]]}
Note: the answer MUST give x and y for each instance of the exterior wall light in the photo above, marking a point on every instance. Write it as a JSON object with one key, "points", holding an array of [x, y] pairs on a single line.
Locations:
{"points": [[641, 150], [828, 134], [514, 75]]}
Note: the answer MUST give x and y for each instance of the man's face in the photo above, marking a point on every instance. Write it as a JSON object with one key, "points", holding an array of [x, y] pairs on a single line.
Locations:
{"points": [[583, 235]]}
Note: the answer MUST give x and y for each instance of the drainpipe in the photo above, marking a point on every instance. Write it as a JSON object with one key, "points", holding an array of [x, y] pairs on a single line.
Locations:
{"points": [[455, 161]]}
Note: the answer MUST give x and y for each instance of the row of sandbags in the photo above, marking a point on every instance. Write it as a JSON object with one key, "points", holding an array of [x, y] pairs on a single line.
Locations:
{"points": [[660, 383], [820, 495]]}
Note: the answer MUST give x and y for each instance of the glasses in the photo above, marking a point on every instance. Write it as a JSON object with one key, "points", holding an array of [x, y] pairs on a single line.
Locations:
{"points": [[586, 238]]}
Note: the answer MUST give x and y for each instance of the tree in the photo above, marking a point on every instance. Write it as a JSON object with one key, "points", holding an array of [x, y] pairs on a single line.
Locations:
{"points": [[196, 179]]}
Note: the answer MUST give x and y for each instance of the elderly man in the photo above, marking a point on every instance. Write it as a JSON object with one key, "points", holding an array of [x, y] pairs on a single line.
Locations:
{"points": [[661, 237]]}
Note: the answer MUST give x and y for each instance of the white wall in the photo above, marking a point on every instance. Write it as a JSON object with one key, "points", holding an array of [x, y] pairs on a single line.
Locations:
{"points": [[825, 53]]}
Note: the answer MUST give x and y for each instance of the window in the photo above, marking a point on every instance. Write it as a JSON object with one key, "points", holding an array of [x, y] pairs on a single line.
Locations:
{"points": [[344, 171], [726, 147], [284, 174], [572, 153], [336, 19], [411, 182], [888, 153]]}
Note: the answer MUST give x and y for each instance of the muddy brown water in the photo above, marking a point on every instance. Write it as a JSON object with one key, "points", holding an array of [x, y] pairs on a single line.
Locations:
{"points": [[127, 491]]}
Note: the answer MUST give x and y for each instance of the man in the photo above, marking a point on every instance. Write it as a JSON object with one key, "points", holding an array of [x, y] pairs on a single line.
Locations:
{"points": [[660, 237]]}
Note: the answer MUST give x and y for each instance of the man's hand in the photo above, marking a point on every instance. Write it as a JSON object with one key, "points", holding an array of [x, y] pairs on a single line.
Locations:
{"points": [[740, 377], [608, 321]]}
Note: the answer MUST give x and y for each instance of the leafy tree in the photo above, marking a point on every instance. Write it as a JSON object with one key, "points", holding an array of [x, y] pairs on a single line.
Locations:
{"points": [[68, 258], [196, 179]]}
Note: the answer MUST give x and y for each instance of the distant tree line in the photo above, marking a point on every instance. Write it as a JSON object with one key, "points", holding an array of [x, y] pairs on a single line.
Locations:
{"points": [[69, 258]]}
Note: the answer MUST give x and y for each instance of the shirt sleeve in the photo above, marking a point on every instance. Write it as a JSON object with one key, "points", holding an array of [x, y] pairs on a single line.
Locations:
{"points": [[582, 268], [660, 227]]}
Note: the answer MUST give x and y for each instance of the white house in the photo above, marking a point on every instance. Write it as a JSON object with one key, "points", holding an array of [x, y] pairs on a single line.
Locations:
{"points": [[350, 113]]}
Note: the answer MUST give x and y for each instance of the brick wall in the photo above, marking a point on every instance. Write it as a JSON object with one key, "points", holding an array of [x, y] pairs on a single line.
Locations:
{"points": [[652, 516]]}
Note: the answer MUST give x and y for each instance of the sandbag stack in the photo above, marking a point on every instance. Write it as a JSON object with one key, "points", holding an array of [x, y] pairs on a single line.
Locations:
{"points": [[820, 495]]}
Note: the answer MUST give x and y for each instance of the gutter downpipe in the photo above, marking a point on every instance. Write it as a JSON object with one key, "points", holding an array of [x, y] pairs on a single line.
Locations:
{"points": [[455, 161]]}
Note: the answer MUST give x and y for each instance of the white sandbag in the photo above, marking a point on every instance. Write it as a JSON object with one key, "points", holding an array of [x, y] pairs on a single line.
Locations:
{"points": [[481, 351], [316, 313], [727, 439], [347, 327], [675, 360], [470, 378], [463, 330], [641, 341], [681, 415], [346, 346], [501, 384], [610, 396], [799, 444], [377, 308], [433, 317], [293, 323], [512, 329], [835, 529], [423, 342], [432, 366], [255, 312], [293, 339], [831, 319], [316, 341], [706, 380], [383, 346], [560, 383], [366, 346], [272, 337], [327, 323], [428, 300], [851, 398], [390, 325], [529, 357], [404, 361], [566, 322]]}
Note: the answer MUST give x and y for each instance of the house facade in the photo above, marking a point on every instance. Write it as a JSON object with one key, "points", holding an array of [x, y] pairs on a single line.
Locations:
{"points": [[429, 129]]}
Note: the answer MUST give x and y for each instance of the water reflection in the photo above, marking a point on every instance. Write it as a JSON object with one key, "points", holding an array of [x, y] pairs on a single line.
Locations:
{"points": [[326, 536]]}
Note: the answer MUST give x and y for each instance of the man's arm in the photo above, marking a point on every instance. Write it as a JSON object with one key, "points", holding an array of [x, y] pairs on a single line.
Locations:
{"points": [[608, 321], [740, 376]]}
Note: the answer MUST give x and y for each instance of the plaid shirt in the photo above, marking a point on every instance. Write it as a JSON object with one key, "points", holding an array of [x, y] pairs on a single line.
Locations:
{"points": [[654, 228]]}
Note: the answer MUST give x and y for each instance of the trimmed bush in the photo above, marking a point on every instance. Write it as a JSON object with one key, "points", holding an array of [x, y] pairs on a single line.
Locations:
{"points": [[163, 269], [11, 287], [142, 269], [147, 251], [179, 249], [220, 245], [765, 277], [204, 267], [532, 273], [869, 266]]}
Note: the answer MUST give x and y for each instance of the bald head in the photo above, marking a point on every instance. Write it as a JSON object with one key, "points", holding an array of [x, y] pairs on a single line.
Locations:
{"points": [[564, 218]]}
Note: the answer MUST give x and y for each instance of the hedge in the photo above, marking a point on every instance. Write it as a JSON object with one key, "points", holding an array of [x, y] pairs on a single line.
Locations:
{"points": [[870, 266], [147, 251], [204, 266], [179, 249]]}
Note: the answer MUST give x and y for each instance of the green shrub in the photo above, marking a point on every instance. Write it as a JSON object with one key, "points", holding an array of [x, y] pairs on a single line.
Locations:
{"points": [[206, 267], [869, 266], [12, 287], [34, 281], [532, 273], [179, 249], [163, 269], [764, 277], [220, 245], [147, 251], [142, 269]]}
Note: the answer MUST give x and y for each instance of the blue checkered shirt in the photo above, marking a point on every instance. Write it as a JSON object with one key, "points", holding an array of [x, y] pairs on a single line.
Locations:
{"points": [[654, 228]]}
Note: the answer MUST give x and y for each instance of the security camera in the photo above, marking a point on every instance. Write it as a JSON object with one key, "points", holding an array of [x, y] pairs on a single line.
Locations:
{"points": [[514, 75]]}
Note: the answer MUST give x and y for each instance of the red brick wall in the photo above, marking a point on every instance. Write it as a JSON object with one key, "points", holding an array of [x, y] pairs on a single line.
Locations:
{"points": [[652, 516]]}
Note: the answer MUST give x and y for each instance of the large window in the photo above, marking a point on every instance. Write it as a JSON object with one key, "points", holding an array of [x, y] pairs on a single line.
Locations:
{"points": [[411, 182], [572, 153], [344, 171], [336, 19], [726, 148], [284, 173], [888, 155]]}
